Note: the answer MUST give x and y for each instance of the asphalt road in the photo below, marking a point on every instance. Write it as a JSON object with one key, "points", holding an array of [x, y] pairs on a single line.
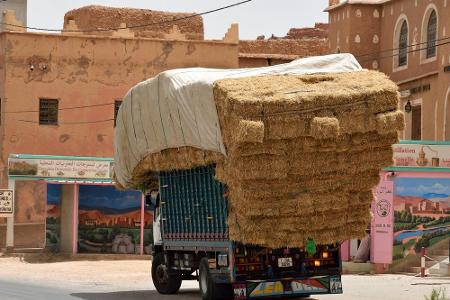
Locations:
{"points": [[27, 291], [130, 280]]}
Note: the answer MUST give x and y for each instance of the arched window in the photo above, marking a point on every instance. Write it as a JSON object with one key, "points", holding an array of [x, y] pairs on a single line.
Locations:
{"points": [[431, 35], [403, 45]]}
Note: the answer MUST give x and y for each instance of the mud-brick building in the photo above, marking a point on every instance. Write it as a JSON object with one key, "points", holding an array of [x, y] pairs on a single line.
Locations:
{"points": [[410, 41], [59, 92], [59, 96], [298, 42]]}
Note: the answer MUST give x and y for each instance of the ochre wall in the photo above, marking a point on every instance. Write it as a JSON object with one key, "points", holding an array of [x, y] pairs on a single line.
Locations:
{"points": [[82, 71]]}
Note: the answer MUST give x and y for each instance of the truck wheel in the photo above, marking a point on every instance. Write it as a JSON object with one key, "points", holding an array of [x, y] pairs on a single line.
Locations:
{"points": [[207, 286], [164, 281]]}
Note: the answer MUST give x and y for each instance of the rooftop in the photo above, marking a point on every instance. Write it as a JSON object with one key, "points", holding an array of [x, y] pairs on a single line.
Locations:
{"points": [[363, 2]]}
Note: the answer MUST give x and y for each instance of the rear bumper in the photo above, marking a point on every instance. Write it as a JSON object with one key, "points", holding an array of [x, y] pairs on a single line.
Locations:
{"points": [[289, 287]]}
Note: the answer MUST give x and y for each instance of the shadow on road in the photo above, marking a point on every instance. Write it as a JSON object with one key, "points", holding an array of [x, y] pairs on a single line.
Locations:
{"points": [[148, 295], [139, 295]]}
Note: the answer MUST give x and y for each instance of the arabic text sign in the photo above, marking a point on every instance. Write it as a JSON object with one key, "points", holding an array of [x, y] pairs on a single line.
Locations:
{"points": [[6, 203], [59, 168], [425, 156], [382, 227]]}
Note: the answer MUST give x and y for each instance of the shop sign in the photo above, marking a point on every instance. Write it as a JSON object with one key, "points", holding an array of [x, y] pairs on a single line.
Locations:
{"points": [[6, 203], [382, 227], [60, 168], [421, 155]]}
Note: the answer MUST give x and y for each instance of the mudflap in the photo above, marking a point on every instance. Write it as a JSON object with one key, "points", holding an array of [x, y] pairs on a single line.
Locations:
{"points": [[289, 287]]}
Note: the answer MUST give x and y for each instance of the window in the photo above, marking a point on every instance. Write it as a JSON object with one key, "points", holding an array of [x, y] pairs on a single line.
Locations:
{"points": [[431, 35], [48, 111], [117, 104], [416, 123], [403, 45]]}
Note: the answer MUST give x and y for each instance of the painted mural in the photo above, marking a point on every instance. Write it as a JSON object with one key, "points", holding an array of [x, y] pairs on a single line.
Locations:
{"points": [[53, 223], [422, 215], [109, 221]]}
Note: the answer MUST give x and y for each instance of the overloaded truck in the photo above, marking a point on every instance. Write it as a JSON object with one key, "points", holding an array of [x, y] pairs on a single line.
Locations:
{"points": [[255, 176]]}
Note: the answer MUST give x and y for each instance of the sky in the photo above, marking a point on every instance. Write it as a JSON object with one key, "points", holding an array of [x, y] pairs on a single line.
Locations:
{"points": [[423, 187], [259, 17]]}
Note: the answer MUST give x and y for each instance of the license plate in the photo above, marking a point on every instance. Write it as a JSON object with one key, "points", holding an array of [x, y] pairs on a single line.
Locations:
{"points": [[285, 262]]}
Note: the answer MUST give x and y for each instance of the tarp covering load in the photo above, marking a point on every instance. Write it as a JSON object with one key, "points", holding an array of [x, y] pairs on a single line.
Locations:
{"points": [[176, 109], [303, 152]]}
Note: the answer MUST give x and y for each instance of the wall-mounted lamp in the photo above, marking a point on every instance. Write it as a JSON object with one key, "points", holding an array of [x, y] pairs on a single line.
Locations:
{"points": [[408, 107]]}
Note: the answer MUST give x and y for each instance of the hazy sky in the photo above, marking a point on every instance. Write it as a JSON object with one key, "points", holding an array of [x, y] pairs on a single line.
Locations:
{"points": [[254, 18]]}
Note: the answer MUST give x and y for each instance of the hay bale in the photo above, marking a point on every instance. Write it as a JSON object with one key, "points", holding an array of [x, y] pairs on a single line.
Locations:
{"points": [[387, 122], [285, 127], [249, 132], [324, 128], [303, 154]]}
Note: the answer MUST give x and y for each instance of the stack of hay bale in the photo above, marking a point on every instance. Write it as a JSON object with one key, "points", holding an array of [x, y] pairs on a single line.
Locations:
{"points": [[304, 153]]}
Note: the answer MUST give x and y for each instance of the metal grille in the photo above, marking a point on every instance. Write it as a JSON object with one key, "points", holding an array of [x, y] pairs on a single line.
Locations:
{"points": [[403, 45], [117, 104], [48, 111], [431, 35]]}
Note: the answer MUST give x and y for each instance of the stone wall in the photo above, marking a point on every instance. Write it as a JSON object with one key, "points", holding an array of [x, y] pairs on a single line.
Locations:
{"points": [[89, 17], [320, 30], [301, 48]]}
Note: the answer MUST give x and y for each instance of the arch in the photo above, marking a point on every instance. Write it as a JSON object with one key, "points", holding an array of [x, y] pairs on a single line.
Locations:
{"points": [[400, 42], [429, 33], [447, 116]]}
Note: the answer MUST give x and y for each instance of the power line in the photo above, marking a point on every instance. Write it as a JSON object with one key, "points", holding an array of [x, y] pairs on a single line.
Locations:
{"points": [[65, 123], [409, 46], [133, 26], [64, 108], [407, 52]]}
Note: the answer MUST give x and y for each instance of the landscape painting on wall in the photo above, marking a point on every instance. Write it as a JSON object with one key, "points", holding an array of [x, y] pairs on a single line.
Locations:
{"points": [[110, 221], [422, 215], [53, 222]]}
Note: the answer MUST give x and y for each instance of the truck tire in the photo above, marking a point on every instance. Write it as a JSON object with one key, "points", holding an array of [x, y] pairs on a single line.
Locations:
{"points": [[207, 286], [165, 282]]}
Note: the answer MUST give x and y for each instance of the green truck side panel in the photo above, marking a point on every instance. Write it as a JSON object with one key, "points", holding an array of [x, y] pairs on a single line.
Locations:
{"points": [[193, 205]]}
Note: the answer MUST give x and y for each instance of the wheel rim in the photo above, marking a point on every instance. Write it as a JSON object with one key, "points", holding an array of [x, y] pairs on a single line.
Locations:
{"points": [[203, 283], [161, 274]]}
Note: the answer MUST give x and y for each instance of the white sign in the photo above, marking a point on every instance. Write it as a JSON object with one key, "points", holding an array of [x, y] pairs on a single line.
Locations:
{"points": [[59, 168], [6, 203], [421, 155]]}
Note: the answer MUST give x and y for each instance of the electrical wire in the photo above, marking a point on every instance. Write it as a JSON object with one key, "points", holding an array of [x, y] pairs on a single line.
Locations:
{"points": [[409, 51], [64, 123], [64, 108], [132, 26], [409, 46]]}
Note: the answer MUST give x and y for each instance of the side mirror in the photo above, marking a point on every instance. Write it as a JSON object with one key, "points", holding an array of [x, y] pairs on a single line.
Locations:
{"points": [[152, 200]]}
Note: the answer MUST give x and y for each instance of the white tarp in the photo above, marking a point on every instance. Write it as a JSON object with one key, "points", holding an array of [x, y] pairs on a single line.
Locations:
{"points": [[177, 109]]}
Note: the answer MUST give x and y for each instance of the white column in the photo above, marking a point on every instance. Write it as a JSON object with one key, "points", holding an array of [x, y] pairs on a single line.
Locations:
{"points": [[10, 220]]}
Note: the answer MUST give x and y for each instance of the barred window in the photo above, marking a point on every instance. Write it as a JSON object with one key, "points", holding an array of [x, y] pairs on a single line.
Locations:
{"points": [[403, 45], [431, 35], [48, 111], [117, 104]]}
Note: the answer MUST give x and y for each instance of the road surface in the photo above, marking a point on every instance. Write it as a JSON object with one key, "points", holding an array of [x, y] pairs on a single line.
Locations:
{"points": [[130, 280]]}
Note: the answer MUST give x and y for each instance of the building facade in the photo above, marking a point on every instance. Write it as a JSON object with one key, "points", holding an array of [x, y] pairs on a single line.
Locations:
{"points": [[409, 40], [59, 95]]}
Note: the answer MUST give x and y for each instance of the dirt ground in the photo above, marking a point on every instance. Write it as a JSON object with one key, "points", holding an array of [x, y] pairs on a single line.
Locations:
{"points": [[130, 279]]}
